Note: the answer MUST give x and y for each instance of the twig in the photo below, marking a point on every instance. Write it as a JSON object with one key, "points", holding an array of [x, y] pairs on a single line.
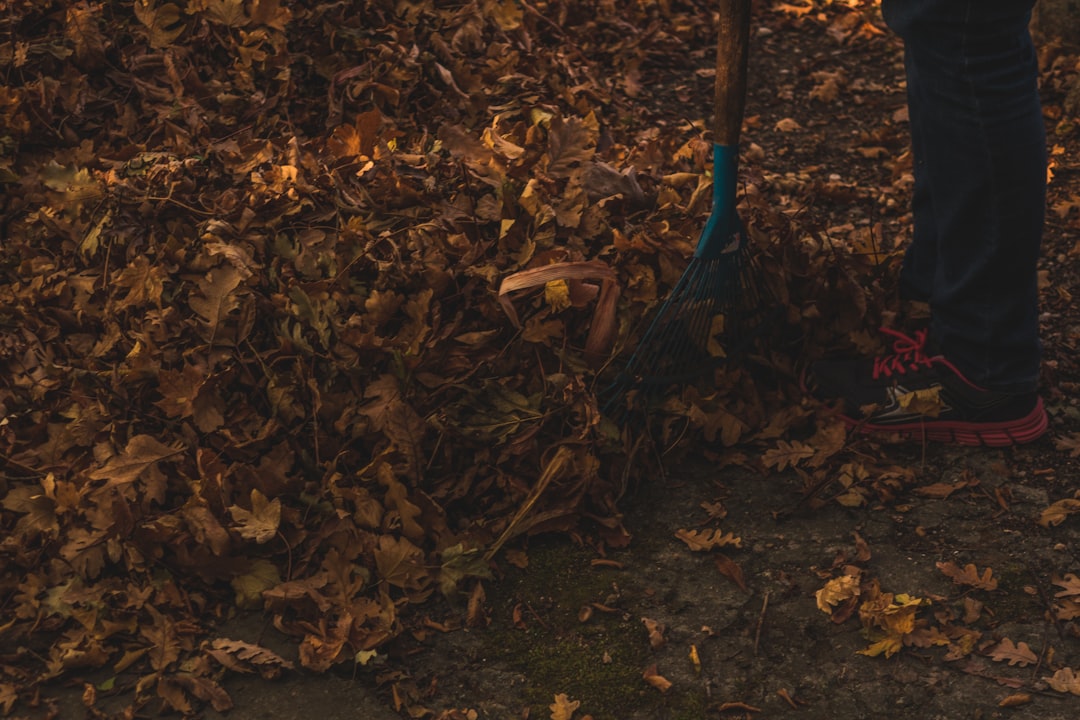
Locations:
{"points": [[760, 622]]}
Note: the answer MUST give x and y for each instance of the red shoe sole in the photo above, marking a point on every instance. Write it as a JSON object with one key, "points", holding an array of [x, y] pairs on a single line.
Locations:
{"points": [[998, 434]]}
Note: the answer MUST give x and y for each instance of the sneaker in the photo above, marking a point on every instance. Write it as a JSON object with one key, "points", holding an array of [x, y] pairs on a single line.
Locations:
{"points": [[924, 396]]}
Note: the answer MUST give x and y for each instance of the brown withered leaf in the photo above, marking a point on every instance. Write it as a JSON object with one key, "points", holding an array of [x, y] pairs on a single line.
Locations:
{"points": [[1070, 586], [730, 569], [1065, 680], [705, 540], [244, 657], [261, 522], [563, 708], [1016, 654], [969, 575], [163, 21], [837, 591], [655, 679], [1057, 512], [141, 453], [655, 630], [216, 300], [1069, 443], [571, 144], [786, 454]]}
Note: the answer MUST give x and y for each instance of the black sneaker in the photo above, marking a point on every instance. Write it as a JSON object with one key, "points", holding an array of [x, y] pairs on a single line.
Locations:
{"points": [[924, 396]]}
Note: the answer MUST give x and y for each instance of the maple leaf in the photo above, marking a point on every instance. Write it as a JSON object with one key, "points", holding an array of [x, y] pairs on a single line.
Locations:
{"points": [[969, 575], [1020, 654], [37, 508], [261, 522], [400, 563], [141, 453], [227, 12], [1056, 513], [704, 540], [163, 23], [563, 708]]}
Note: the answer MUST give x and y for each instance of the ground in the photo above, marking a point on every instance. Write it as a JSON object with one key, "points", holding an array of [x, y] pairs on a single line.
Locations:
{"points": [[657, 630]]}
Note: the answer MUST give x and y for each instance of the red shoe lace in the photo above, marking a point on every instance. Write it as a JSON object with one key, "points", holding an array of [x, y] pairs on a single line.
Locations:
{"points": [[907, 354]]}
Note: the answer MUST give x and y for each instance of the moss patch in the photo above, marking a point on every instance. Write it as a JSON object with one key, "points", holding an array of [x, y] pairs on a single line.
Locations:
{"points": [[600, 661]]}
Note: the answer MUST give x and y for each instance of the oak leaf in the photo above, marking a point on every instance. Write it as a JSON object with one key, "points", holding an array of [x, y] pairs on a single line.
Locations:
{"points": [[704, 540], [1065, 680], [1069, 443], [1018, 654], [969, 575], [1070, 585], [1056, 513], [837, 591], [786, 454]]}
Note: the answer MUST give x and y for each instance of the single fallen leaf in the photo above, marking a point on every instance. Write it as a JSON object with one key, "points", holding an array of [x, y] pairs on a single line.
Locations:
{"points": [[140, 453], [261, 522], [1056, 513], [837, 591], [1015, 700], [969, 575], [658, 681], [1069, 443], [656, 633], [1020, 654], [788, 125], [704, 540], [563, 708], [786, 454], [730, 569], [1065, 680], [1071, 585]]}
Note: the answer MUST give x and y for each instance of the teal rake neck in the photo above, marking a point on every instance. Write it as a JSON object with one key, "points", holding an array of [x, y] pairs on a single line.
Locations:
{"points": [[720, 233]]}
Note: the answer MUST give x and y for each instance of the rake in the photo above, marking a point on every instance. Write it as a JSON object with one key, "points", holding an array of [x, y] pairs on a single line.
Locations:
{"points": [[704, 317]]}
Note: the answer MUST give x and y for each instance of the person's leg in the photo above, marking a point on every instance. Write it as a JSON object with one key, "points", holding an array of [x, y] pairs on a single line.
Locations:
{"points": [[980, 183], [980, 170]]}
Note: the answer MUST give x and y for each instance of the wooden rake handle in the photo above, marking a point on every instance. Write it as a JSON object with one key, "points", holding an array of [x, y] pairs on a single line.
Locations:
{"points": [[732, 50]]}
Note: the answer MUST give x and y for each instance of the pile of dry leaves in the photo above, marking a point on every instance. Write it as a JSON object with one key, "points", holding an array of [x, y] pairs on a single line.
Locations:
{"points": [[264, 334]]}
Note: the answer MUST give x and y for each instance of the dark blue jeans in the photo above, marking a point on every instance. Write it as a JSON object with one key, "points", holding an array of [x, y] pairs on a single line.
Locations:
{"points": [[979, 148]]}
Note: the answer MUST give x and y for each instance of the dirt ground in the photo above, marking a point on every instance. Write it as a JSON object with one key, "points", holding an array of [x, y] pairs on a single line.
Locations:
{"points": [[765, 650], [598, 628]]}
